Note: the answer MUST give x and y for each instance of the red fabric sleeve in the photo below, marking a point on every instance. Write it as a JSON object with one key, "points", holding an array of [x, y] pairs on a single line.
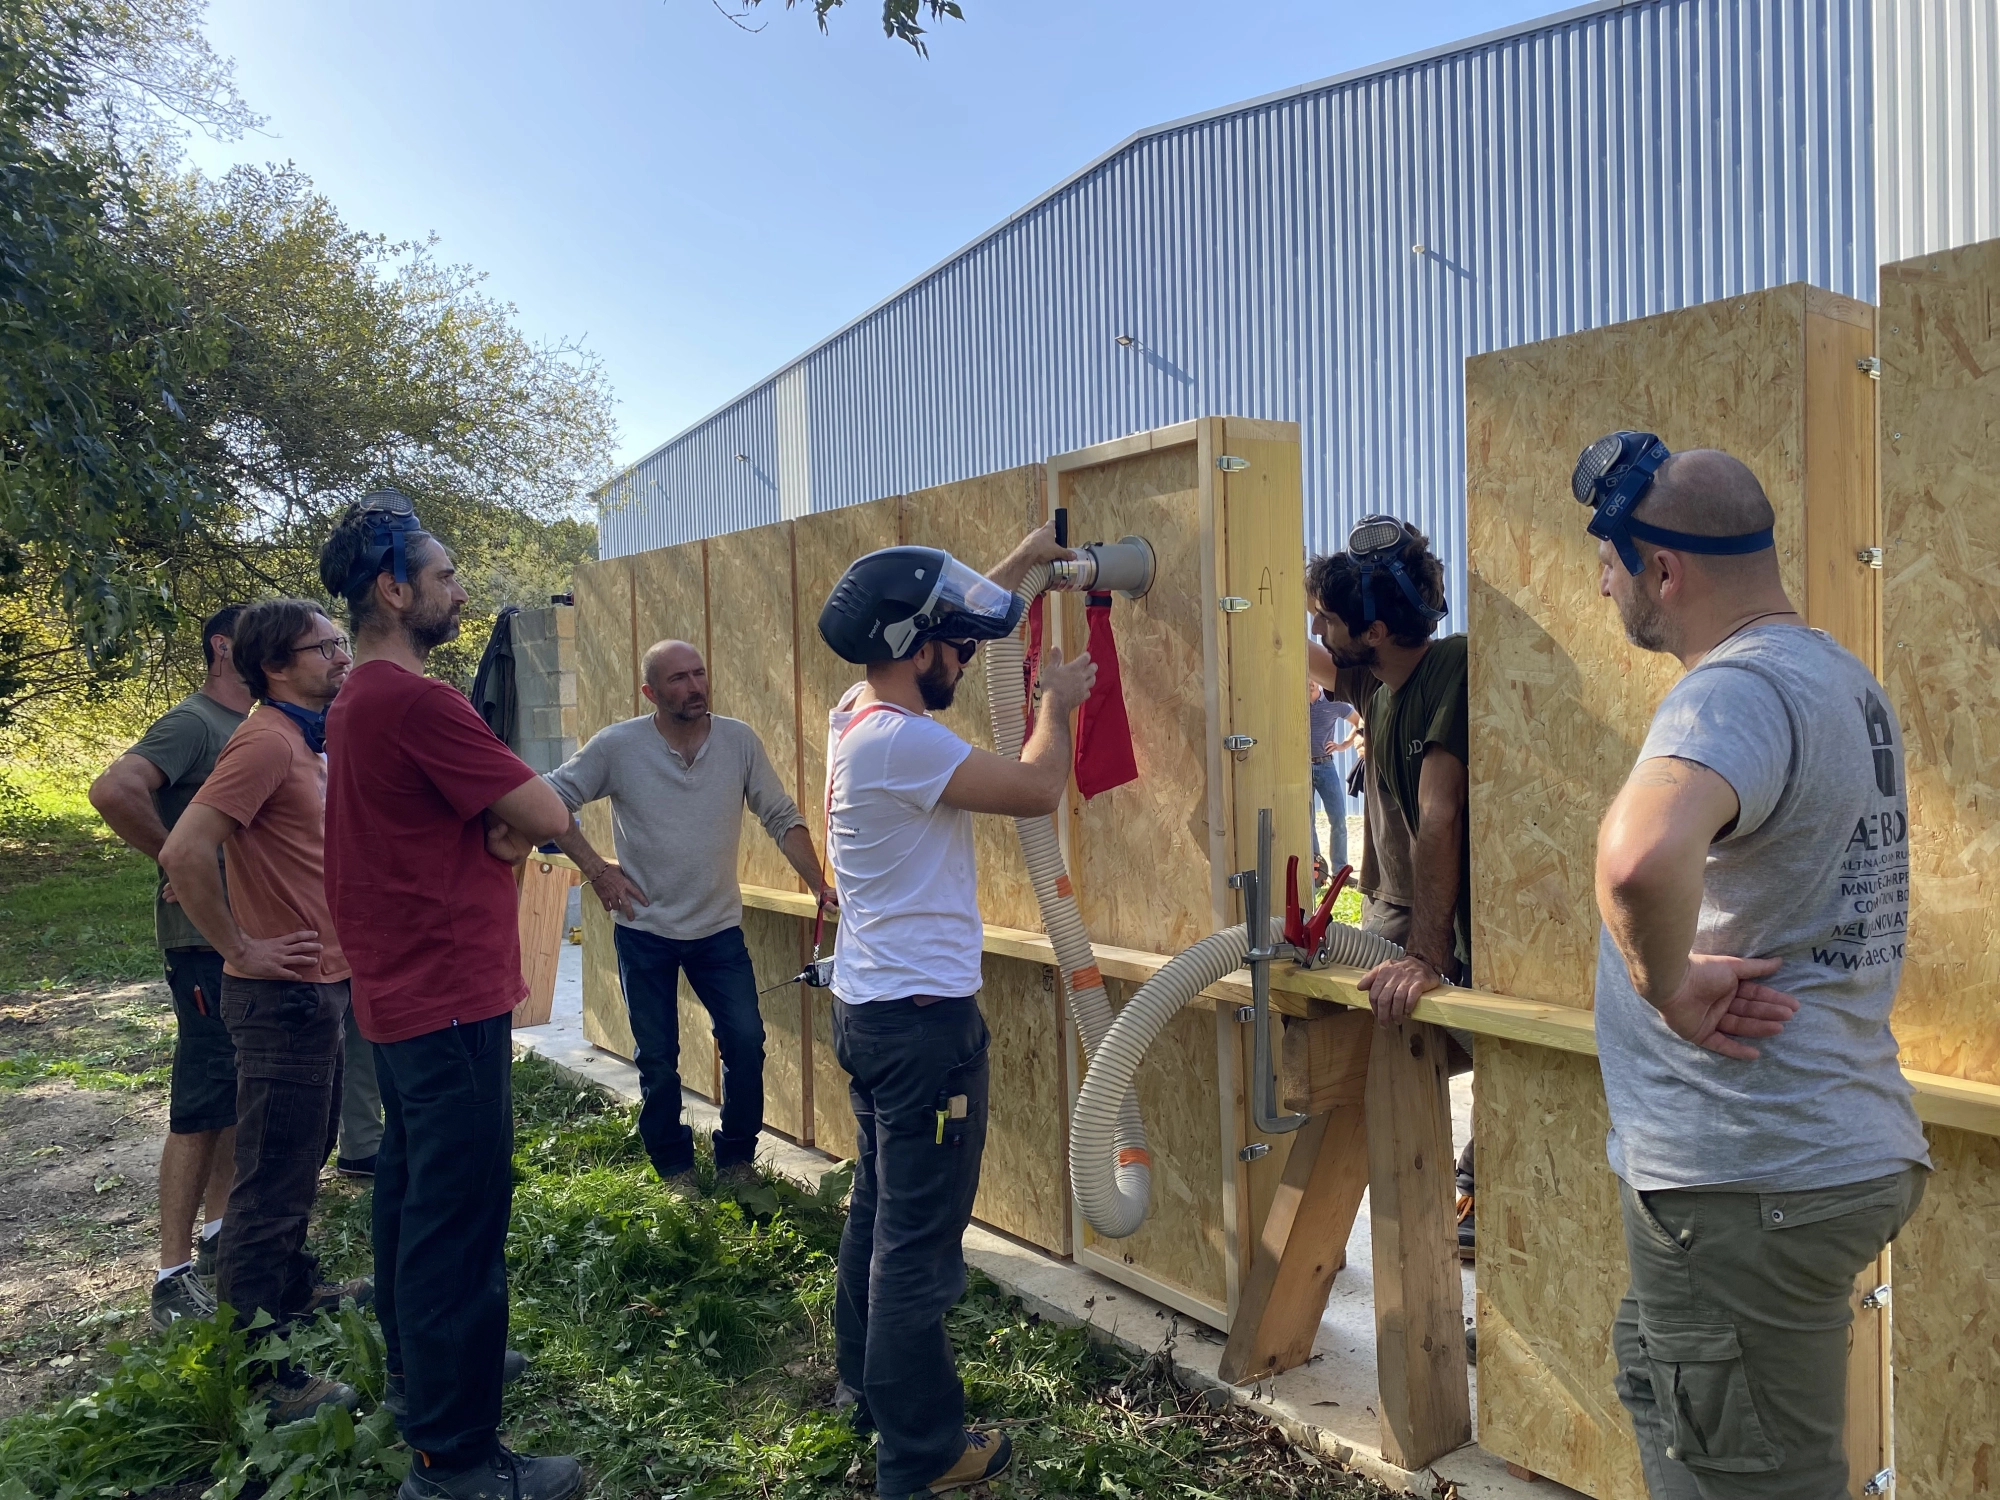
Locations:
{"points": [[1104, 756], [447, 740], [250, 768]]}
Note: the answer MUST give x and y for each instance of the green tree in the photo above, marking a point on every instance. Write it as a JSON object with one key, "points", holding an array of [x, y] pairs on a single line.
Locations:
{"points": [[900, 18], [95, 345]]}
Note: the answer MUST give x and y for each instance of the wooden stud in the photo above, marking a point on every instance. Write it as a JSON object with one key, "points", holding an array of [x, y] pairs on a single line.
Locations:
{"points": [[1419, 1325], [545, 892], [1518, 1472], [1322, 1065], [1303, 1240]]}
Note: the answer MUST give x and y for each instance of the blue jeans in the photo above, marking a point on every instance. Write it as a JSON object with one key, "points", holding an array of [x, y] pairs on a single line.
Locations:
{"points": [[1330, 787], [718, 968], [918, 1085]]}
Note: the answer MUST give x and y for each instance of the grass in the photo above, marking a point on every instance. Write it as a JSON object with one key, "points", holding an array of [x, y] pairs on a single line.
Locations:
{"points": [[112, 1044], [681, 1350], [76, 905]]}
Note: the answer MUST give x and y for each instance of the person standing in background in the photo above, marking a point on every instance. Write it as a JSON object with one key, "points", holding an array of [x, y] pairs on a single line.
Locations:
{"points": [[140, 796], [1334, 726]]}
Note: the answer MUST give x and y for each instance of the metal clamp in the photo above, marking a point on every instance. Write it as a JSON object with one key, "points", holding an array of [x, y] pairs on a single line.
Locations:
{"points": [[1876, 1299], [1229, 463], [1256, 888], [1232, 604], [1254, 1150], [1870, 366], [1880, 1484], [1869, 555], [1238, 741]]}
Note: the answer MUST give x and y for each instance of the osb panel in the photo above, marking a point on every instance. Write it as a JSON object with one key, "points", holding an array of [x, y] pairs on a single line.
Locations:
{"points": [[1141, 850], [750, 670], [1940, 343], [1551, 1271], [773, 939], [1559, 700], [833, 1115], [979, 521], [604, 1021], [825, 543], [1024, 1181], [603, 593], [700, 1062], [670, 602], [1946, 1323], [1182, 1241]]}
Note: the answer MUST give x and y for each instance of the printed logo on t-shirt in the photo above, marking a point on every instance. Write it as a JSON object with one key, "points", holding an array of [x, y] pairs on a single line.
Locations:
{"points": [[1881, 735], [1875, 869]]}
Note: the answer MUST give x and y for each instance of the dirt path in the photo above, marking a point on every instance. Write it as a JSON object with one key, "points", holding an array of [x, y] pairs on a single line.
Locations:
{"points": [[82, 1114]]}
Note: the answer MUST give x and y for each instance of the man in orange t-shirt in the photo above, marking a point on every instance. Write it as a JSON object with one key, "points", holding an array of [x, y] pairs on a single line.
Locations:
{"points": [[284, 978]]}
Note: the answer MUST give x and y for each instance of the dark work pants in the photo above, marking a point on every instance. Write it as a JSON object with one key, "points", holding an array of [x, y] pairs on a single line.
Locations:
{"points": [[288, 1067], [1732, 1342], [902, 1254], [718, 970], [444, 1190]]}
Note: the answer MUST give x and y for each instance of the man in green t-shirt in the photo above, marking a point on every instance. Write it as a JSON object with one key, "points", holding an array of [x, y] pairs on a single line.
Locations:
{"points": [[1375, 609], [141, 795]]}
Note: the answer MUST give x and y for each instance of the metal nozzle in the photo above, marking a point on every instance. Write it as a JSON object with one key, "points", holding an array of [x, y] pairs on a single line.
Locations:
{"points": [[1126, 566]]}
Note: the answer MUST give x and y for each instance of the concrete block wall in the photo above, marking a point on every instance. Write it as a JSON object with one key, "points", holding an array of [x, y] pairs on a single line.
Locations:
{"points": [[545, 685]]}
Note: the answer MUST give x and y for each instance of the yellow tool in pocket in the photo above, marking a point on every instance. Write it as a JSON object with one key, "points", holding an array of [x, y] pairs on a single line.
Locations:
{"points": [[954, 1110]]}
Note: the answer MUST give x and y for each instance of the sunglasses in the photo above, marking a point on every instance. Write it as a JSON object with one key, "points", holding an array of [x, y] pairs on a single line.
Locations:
{"points": [[965, 649]]}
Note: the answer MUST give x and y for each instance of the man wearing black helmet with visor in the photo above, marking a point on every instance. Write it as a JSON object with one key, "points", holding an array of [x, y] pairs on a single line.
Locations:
{"points": [[901, 789]]}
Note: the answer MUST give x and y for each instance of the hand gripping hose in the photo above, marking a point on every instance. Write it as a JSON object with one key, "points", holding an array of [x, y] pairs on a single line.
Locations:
{"points": [[1110, 1169]]}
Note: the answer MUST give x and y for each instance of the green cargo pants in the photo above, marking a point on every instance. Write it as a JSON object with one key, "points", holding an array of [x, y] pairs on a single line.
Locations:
{"points": [[1732, 1341]]}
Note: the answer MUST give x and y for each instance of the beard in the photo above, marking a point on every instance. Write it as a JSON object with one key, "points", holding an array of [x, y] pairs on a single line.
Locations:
{"points": [[433, 622], [937, 685], [1354, 654], [1645, 623]]}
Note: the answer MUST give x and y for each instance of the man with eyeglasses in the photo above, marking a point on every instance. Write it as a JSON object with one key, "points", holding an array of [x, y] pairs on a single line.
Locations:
{"points": [[901, 791], [679, 779], [284, 978]]}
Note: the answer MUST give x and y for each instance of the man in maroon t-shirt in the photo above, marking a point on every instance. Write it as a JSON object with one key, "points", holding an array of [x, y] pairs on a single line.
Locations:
{"points": [[425, 812]]}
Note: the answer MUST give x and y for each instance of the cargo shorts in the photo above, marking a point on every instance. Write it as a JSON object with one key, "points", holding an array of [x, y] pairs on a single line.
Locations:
{"points": [[202, 1094], [1732, 1341]]}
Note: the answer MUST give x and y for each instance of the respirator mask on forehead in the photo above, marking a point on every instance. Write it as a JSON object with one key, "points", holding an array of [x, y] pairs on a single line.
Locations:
{"points": [[388, 517], [1613, 475], [1376, 544]]}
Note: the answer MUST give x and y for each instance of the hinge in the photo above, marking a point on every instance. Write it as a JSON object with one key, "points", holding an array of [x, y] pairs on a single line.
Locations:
{"points": [[1253, 1151], [1232, 604], [1877, 1298], [1870, 555], [1870, 366], [1229, 463], [1238, 741], [1880, 1484]]}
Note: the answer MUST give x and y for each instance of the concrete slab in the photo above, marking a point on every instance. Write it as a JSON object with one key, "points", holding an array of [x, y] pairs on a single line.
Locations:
{"points": [[1327, 1404]]}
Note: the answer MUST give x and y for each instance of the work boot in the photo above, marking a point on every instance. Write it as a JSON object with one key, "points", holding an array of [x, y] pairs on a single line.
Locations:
{"points": [[684, 1185], [1465, 1208], [292, 1394], [326, 1297], [354, 1166], [181, 1295], [986, 1454], [396, 1399], [504, 1476], [742, 1175]]}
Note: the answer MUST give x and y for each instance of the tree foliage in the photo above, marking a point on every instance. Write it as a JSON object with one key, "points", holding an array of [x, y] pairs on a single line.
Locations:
{"points": [[199, 373], [901, 19]]}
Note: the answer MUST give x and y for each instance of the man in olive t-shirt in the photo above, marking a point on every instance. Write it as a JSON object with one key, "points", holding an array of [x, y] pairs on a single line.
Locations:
{"points": [[141, 795]]}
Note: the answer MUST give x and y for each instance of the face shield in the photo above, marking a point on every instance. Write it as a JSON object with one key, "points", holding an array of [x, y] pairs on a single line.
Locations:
{"points": [[962, 605]]}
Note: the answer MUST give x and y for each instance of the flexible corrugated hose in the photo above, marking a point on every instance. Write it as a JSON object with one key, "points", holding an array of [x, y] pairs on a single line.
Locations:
{"points": [[1110, 1169]]}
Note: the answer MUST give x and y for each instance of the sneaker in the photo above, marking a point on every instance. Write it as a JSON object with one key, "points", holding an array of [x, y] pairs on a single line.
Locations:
{"points": [[354, 1166], [684, 1185], [986, 1454], [743, 1174], [396, 1399], [181, 1295], [293, 1395], [504, 1476], [327, 1296], [208, 1262]]}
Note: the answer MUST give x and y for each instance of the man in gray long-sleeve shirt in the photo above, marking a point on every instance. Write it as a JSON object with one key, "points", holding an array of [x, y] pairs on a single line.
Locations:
{"points": [[678, 781]]}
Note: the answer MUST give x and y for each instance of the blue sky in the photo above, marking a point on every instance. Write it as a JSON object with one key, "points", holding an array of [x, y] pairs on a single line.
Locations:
{"points": [[697, 203]]}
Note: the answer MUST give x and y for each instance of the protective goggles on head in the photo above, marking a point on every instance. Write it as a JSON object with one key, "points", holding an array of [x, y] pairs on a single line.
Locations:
{"points": [[1613, 475], [961, 604], [389, 517], [1376, 543]]}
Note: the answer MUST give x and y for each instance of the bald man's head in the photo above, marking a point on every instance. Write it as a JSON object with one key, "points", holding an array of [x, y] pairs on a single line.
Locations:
{"points": [[676, 679], [1705, 492]]}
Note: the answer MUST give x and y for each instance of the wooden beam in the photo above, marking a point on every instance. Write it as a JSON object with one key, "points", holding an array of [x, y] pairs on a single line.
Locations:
{"points": [[545, 891], [1304, 1237], [1323, 1060], [1419, 1318]]}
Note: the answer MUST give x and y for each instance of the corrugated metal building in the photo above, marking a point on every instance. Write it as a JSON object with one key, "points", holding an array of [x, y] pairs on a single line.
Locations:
{"points": [[1331, 254]]}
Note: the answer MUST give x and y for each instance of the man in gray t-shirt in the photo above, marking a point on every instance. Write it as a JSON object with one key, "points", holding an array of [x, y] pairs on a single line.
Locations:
{"points": [[679, 780], [1753, 878]]}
